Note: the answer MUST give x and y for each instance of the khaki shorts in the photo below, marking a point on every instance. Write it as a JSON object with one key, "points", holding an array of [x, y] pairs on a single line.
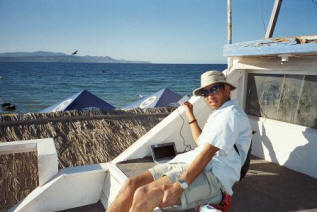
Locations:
{"points": [[206, 188]]}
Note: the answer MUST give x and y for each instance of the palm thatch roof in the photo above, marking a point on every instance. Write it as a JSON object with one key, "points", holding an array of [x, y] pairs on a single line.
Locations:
{"points": [[81, 138]]}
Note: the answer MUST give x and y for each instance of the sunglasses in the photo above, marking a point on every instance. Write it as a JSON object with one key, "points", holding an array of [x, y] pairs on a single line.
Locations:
{"points": [[214, 90]]}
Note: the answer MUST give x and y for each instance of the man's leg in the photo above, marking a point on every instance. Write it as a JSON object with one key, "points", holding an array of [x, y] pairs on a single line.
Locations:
{"points": [[124, 198], [149, 196]]}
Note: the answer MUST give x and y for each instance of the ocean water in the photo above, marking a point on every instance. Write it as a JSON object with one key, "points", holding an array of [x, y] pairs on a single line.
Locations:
{"points": [[35, 86]]}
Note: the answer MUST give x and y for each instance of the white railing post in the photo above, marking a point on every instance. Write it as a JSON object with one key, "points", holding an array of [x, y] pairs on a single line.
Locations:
{"points": [[46, 155], [47, 160]]}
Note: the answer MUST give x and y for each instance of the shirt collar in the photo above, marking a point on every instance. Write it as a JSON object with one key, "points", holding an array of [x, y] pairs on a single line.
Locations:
{"points": [[227, 104]]}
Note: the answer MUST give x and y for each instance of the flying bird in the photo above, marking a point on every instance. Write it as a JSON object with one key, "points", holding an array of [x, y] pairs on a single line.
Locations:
{"points": [[75, 52]]}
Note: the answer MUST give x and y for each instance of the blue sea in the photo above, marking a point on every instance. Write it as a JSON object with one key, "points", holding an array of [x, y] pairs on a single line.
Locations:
{"points": [[35, 86]]}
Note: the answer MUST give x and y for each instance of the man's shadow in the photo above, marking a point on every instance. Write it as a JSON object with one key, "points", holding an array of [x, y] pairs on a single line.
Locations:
{"points": [[270, 187], [262, 138], [305, 153]]}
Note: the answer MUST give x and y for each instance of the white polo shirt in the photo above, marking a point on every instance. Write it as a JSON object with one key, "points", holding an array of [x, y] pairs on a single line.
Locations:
{"points": [[226, 126]]}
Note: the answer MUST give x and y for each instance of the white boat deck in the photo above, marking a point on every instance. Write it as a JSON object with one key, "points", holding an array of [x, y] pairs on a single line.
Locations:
{"points": [[267, 187], [270, 187]]}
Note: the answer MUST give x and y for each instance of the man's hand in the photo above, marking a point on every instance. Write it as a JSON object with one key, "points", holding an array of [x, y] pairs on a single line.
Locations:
{"points": [[189, 111], [172, 195]]}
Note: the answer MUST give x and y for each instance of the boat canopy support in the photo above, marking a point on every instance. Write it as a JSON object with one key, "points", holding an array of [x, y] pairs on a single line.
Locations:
{"points": [[229, 25], [273, 20]]}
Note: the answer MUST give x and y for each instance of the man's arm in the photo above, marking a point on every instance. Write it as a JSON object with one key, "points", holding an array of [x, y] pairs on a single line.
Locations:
{"points": [[194, 127], [199, 163], [175, 191]]}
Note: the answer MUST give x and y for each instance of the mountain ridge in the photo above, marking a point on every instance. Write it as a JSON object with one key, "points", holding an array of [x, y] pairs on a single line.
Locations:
{"points": [[46, 56]]}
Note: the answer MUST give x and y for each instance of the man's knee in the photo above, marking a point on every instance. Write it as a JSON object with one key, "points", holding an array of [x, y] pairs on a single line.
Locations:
{"points": [[135, 182], [131, 184], [141, 192], [147, 198]]}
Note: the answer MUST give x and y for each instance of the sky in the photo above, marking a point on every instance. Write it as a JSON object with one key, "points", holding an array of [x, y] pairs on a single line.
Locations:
{"points": [[158, 31]]}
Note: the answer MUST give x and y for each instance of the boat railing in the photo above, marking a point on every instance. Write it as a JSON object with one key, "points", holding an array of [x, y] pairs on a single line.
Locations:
{"points": [[59, 190]]}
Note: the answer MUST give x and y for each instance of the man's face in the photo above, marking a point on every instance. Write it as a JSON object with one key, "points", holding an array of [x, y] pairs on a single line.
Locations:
{"points": [[220, 95]]}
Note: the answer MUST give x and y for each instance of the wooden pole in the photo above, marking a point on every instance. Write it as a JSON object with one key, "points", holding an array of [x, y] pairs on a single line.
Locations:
{"points": [[274, 16], [229, 14]]}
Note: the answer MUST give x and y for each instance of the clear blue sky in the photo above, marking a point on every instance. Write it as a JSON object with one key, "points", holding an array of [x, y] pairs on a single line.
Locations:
{"points": [[160, 31]]}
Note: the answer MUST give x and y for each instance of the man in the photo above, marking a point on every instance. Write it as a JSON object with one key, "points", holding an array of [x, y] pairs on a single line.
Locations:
{"points": [[200, 175]]}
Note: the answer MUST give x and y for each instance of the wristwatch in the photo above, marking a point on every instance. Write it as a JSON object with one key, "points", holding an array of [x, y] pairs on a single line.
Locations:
{"points": [[183, 184]]}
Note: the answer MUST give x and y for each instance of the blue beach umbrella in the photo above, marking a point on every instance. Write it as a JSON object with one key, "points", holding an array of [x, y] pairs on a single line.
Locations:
{"points": [[83, 100], [184, 99], [162, 98]]}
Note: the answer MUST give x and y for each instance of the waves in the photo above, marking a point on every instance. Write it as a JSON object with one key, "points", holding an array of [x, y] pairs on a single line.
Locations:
{"points": [[34, 86]]}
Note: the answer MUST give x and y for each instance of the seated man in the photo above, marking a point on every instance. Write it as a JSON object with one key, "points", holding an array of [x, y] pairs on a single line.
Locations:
{"points": [[201, 175]]}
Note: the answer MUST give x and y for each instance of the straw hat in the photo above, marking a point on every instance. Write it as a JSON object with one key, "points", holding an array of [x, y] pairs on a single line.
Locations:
{"points": [[210, 78]]}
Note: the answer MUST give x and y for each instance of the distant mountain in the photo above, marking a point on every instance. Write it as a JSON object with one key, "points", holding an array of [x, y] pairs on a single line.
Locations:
{"points": [[42, 56], [32, 54]]}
